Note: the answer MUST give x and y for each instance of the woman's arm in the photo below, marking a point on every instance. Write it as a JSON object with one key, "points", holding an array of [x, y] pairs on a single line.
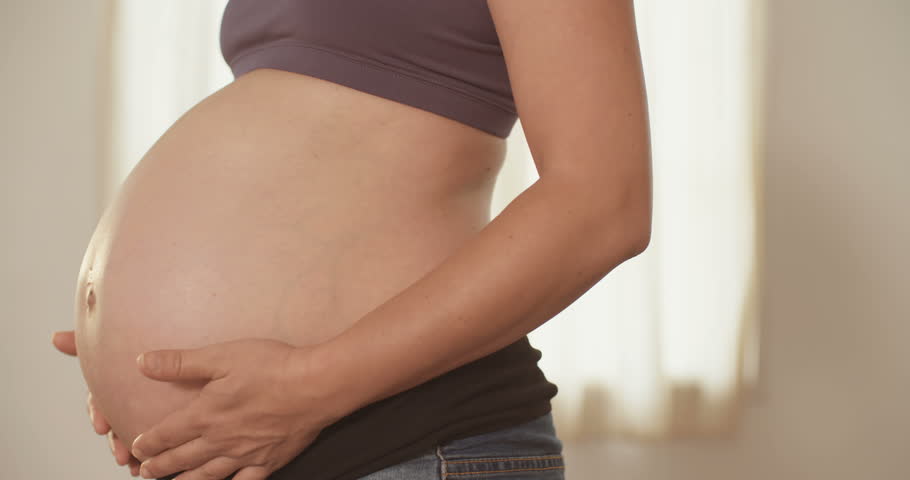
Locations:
{"points": [[578, 83]]}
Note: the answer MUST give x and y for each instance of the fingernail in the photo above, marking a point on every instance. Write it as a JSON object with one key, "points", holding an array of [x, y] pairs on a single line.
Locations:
{"points": [[148, 361], [143, 471], [134, 450]]}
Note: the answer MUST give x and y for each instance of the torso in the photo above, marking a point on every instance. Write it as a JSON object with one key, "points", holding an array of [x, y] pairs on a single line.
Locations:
{"points": [[282, 206]]}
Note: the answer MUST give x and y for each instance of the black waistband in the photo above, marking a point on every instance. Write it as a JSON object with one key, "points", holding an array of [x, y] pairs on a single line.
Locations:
{"points": [[500, 390]]}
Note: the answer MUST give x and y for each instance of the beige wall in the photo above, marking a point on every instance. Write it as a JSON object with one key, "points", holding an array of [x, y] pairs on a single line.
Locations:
{"points": [[48, 181], [836, 401]]}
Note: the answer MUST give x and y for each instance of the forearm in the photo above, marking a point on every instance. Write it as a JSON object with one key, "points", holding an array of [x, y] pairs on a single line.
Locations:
{"points": [[542, 252]]}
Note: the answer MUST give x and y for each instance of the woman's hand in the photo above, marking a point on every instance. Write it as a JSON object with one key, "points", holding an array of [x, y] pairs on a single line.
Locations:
{"points": [[258, 410], [65, 341]]}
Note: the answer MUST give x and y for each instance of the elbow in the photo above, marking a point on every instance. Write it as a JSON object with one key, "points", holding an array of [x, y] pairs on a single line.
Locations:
{"points": [[625, 234], [640, 243], [630, 233], [618, 220], [632, 229], [632, 222], [640, 228], [638, 217]]}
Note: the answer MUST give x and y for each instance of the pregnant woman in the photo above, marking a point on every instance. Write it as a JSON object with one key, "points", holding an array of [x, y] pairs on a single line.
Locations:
{"points": [[306, 257]]}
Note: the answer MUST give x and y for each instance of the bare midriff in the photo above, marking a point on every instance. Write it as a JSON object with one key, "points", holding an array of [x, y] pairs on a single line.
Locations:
{"points": [[282, 206]]}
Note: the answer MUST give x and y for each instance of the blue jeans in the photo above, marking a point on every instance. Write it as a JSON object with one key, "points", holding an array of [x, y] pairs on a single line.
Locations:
{"points": [[529, 451]]}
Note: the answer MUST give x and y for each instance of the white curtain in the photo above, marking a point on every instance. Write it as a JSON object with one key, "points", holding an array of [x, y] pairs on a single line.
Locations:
{"points": [[165, 58], [667, 343]]}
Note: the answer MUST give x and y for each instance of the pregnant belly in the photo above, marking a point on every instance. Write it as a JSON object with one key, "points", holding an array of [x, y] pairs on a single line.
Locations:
{"points": [[226, 229], [164, 284]]}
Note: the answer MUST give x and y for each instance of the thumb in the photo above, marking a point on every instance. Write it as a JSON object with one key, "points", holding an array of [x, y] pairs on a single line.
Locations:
{"points": [[65, 341], [174, 365]]}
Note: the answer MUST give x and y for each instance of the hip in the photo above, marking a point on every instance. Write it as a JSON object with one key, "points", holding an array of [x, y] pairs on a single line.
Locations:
{"points": [[530, 450]]}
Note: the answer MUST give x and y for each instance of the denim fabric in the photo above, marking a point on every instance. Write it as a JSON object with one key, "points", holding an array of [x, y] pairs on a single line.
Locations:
{"points": [[529, 451]]}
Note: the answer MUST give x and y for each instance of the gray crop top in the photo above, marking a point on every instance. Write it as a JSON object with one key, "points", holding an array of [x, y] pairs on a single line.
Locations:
{"points": [[443, 57]]}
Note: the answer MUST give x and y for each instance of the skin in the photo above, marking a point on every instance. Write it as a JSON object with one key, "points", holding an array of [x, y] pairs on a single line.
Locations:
{"points": [[577, 80], [282, 207], [232, 226], [65, 342]]}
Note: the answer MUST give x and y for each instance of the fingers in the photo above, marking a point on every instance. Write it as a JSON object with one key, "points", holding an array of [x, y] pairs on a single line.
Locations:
{"points": [[176, 429], [99, 423], [65, 341], [217, 468], [252, 473], [134, 466], [197, 460], [122, 454], [118, 448], [173, 365]]}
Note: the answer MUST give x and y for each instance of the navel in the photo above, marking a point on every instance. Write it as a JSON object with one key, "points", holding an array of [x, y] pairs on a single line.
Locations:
{"points": [[90, 295]]}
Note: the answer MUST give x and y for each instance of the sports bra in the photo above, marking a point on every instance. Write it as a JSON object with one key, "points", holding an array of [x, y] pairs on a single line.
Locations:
{"points": [[442, 57]]}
